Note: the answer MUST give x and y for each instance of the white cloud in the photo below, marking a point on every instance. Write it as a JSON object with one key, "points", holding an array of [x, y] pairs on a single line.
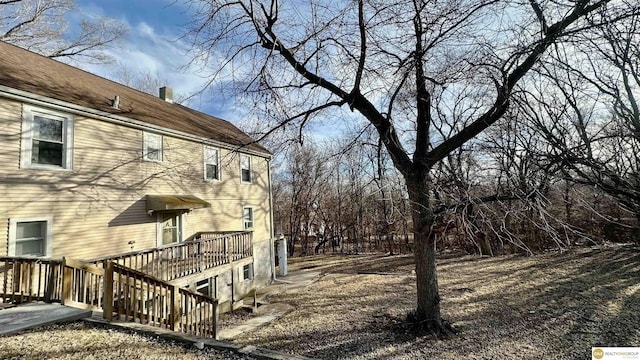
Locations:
{"points": [[145, 29], [149, 49]]}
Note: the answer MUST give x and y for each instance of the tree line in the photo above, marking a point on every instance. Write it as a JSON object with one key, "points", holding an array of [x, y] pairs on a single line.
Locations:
{"points": [[506, 125], [434, 78]]}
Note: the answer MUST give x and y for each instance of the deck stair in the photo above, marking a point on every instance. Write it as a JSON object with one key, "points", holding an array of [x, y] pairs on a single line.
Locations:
{"points": [[121, 293], [132, 287]]}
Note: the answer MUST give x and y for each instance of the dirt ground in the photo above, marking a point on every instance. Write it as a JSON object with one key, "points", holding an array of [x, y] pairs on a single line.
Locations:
{"points": [[548, 306], [553, 306]]}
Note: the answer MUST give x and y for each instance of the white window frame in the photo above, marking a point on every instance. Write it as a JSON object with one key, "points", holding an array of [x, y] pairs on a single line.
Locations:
{"points": [[159, 229], [207, 284], [212, 284], [248, 157], [207, 162], [252, 221], [146, 138], [48, 246], [28, 114]]}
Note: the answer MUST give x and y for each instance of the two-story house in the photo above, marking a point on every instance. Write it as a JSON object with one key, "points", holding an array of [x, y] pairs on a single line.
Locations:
{"points": [[91, 169]]}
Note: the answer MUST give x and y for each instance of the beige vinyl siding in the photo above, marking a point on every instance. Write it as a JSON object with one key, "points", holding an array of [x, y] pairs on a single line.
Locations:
{"points": [[10, 134], [98, 206], [10, 126]]}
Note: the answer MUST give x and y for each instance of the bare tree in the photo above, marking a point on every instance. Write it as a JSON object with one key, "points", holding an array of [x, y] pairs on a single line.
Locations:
{"points": [[304, 179], [387, 60], [42, 26], [589, 113]]}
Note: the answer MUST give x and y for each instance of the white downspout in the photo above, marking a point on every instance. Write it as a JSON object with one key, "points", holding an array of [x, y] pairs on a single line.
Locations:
{"points": [[271, 233]]}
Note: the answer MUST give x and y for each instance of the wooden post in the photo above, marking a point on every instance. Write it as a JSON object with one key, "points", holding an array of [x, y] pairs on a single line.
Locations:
{"points": [[201, 256], [67, 274], [29, 282], [50, 280], [175, 308], [15, 280], [215, 320], [5, 279], [227, 249], [255, 299], [233, 288], [107, 306], [25, 283]]}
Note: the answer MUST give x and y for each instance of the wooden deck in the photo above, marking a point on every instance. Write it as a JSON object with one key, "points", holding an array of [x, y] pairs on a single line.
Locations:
{"points": [[205, 251], [133, 286]]}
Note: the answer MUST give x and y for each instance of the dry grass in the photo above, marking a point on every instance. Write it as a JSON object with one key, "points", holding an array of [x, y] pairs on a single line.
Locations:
{"points": [[91, 341], [549, 306]]}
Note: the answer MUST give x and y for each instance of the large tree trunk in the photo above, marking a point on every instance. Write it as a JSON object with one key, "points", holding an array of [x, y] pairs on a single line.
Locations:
{"points": [[428, 299], [428, 306]]}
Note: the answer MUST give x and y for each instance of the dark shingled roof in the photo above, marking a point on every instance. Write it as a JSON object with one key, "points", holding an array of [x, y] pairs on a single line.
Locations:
{"points": [[24, 70]]}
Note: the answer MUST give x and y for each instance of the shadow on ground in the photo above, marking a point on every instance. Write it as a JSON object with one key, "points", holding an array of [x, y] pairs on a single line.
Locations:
{"points": [[553, 305]]}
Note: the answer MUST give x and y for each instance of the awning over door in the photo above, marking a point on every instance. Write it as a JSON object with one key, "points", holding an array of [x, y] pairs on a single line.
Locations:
{"points": [[174, 202]]}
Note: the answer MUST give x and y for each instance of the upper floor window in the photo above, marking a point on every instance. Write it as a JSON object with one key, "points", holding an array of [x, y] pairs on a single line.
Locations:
{"points": [[47, 137], [152, 148], [245, 168], [30, 237], [247, 218], [211, 163]]}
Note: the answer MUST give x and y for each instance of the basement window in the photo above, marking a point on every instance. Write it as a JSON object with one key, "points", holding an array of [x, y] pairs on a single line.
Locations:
{"points": [[247, 272], [208, 287], [202, 287]]}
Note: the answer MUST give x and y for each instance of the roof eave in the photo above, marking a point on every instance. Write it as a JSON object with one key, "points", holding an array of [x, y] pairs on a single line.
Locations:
{"points": [[56, 104]]}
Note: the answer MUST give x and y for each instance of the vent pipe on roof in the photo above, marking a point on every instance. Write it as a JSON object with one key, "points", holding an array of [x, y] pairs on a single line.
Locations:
{"points": [[166, 94], [115, 103]]}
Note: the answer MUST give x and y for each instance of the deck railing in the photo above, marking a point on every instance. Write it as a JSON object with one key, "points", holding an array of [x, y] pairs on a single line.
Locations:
{"points": [[131, 295], [205, 251], [121, 293], [83, 285], [132, 286], [30, 279]]}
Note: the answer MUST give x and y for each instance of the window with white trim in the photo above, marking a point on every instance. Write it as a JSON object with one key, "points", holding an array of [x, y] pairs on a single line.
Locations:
{"points": [[30, 237], [247, 218], [211, 163], [47, 137], [247, 272], [202, 287], [208, 286], [245, 168], [152, 147]]}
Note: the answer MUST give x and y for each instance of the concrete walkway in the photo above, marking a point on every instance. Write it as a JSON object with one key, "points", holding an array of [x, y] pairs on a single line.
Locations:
{"points": [[293, 282], [23, 317], [267, 313]]}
